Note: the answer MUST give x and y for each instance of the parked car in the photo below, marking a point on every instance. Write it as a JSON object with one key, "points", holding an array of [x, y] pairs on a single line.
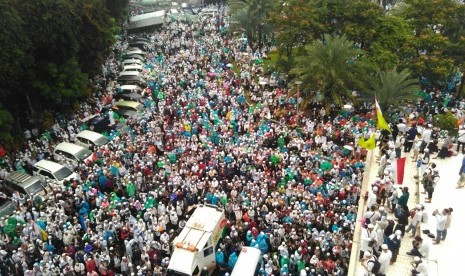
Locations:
{"points": [[130, 93], [132, 61], [71, 152], [128, 109], [130, 77], [49, 170], [30, 186], [134, 56], [101, 123], [88, 139], [137, 68], [7, 207]]}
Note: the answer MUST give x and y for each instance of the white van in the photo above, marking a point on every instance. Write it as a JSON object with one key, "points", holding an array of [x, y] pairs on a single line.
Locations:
{"points": [[135, 51], [130, 77], [130, 88], [71, 152], [195, 246], [137, 68], [132, 61], [49, 170], [248, 262], [87, 139]]}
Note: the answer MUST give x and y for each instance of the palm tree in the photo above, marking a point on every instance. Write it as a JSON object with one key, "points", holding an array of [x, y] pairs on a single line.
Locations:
{"points": [[249, 16], [393, 88], [333, 67]]}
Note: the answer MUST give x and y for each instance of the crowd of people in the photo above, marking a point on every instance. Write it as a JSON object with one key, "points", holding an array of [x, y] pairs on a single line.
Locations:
{"points": [[209, 133], [388, 217]]}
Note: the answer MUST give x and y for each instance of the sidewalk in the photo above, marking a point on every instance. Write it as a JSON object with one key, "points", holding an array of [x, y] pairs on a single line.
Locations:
{"points": [[445, 258]]}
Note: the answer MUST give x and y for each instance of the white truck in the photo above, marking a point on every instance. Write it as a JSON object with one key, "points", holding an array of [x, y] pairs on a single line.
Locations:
{"points": [[195, 247]]}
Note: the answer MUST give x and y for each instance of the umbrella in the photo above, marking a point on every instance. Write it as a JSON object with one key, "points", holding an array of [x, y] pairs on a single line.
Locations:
{"points": [[262, 82], [349, 147], [211, 74], [229, 65]]}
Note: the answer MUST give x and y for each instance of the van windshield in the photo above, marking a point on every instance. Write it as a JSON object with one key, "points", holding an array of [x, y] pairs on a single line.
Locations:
{"points": [[83, 154], [102, 141], [34, 188], [63, 173]]}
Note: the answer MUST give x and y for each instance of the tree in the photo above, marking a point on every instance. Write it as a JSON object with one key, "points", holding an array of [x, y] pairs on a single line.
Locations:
{"points": [[251, 19], [392, 88], [356, 19], [47, 49], [392, 43], [64, 83], [438, 27], [14, 49], [96, 34], [295, 23], [6, 121], [334, 67]]}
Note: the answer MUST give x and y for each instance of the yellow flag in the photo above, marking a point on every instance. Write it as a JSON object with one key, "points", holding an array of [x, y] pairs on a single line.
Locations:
{"points": [[368, 144], [380, 121], [361, 142]]}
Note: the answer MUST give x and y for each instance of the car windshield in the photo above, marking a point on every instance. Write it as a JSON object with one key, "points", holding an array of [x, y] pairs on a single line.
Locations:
{"points": [[62, 173], [3, 200], [83, 154], [102, 141], [34, 188]]}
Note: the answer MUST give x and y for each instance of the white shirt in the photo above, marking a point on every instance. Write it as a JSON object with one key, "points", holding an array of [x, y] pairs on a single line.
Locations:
{"points": [[384, 260], [422, 268], [441, 221]]}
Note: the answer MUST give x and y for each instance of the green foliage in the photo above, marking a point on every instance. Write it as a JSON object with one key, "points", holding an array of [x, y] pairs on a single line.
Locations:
{"points": [[14, 48], [250, 18], [356, 19], [6, 121], [392, 43], [64, 82], [295, 23], [46, 120], [446, 121], [50, 47], [438, 27], [392, 88], [333, 67], [425, 36]]}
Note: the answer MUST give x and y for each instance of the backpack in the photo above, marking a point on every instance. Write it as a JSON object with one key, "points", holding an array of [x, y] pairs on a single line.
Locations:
{"points": [[376, 265]]}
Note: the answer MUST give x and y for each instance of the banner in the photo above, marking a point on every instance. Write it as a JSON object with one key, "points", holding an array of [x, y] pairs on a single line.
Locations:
{"points": [[400, 169]]}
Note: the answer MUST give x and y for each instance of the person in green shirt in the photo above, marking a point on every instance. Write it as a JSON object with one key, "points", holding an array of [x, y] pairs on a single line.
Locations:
{"points": [[403, 199]]}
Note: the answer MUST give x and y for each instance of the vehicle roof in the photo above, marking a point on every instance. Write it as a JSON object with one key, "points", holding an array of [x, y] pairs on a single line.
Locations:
{"points": [[22, 179], [130, 87], [69, 147], [194, 237], [182, 261], [248, 256], [132, 60], [134, 56], [138, 66], [135, 52], [49, 165], [89, 135], [129, 73], [132, 104], [205, 218]]}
